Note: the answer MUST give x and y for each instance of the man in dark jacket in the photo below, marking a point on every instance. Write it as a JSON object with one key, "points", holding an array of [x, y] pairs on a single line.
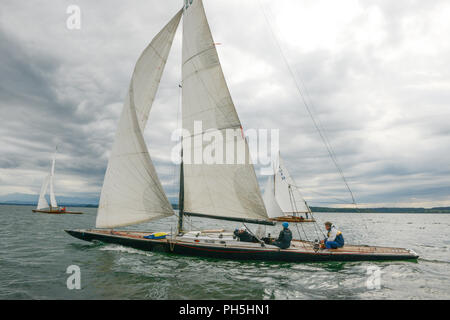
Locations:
{"points": [[244, 236], [285, 237]]}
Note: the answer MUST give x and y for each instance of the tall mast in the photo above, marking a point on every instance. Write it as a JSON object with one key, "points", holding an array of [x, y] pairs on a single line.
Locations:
{"points": [[181, 195]]}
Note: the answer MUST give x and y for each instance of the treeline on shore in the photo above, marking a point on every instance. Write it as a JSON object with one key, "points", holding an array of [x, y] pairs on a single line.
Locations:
{"points": [[373, 210], [383, 210], [313, 209]]}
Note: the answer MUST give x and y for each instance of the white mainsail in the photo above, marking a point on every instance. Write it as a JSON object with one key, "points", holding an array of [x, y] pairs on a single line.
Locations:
{"points": [[286, 193], [220, 190], [48, 180], [132, 192], [42, 203], [53, 202]]}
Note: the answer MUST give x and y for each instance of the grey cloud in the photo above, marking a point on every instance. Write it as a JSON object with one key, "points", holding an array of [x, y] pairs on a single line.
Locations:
{"points": [[382, 102]]}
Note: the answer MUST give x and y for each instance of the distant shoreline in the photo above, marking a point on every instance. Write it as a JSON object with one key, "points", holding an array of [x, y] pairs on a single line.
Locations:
{"points": [[61, 204], [314, 209], [382, 210]]}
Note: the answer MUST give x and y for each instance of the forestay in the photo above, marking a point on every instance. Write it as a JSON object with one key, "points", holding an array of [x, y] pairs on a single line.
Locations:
{"points": [[132, 192], [286, 193]]}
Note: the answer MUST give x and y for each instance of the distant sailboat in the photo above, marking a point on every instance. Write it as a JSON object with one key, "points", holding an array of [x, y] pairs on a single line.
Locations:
{"points": [[282, 198], [43, 206], [132, 192]]}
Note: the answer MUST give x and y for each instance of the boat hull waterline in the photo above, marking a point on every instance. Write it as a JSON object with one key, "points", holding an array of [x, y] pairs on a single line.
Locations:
{"points": [[300, 251]]}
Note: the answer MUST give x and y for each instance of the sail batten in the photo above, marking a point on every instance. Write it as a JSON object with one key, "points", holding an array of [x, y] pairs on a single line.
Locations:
{"points": [[212, 189], [132, 192]]}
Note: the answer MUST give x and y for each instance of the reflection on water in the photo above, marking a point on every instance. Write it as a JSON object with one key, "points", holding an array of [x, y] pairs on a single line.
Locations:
{"points": [[36, 252]]}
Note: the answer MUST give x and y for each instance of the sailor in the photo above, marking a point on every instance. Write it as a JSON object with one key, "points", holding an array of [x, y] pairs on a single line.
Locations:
{"points": [[334, 238], [243, 235], [285, 237]]}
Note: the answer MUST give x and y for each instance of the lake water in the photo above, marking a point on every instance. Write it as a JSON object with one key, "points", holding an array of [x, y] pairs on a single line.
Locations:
{"points": [[35, 253]]}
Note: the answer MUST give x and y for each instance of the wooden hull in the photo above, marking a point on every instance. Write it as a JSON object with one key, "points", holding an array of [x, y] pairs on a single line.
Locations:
{"points": [[56, 212], [292, 219], [300, 251]]}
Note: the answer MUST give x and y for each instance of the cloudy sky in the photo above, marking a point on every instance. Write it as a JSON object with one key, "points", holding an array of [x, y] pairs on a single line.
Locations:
{"points": [[376, 75]]}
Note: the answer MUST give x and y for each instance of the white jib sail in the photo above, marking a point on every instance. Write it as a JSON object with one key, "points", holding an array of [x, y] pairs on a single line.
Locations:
{"points": [[132, 192], [53, 202], [222, 190], [42, 203], [286, 193]]}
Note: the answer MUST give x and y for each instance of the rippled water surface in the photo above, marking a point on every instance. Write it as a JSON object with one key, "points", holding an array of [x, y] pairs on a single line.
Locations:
{"points": [[35, 253]]}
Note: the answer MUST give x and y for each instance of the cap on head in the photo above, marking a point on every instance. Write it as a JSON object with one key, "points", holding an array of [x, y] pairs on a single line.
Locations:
{"points": [[328, 223], [285, 225], [242, 229]]}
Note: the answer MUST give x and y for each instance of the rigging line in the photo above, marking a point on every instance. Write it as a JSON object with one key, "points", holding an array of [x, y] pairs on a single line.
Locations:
{"points": [[178, 169], [316, 227], [189, 221], [296, 224], [345, 202], [322, 194], [316, 125], [299, 234], [312, 217], [251, 232], [294, 207]]}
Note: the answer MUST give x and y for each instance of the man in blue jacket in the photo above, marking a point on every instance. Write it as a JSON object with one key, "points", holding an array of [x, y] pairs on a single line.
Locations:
{"points": [[334, 238]]}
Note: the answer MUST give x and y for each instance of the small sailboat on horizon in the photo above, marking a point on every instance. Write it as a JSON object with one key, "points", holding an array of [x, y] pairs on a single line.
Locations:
{"points": [[43, 206], [283, 200], [132, 192]]}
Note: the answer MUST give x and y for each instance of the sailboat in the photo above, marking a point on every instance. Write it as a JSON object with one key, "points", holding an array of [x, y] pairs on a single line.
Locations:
{"points": [[43, 206], [132, 192], [283, 200]]}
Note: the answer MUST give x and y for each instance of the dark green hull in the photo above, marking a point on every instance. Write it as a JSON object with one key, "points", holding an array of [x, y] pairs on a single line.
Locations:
{"points": [[237, 252]]}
